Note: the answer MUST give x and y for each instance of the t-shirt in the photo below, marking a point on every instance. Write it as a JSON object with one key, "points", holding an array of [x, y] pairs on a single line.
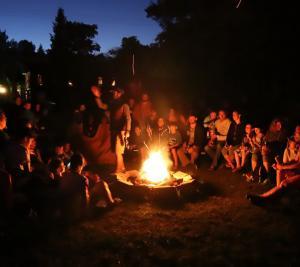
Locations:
{"points": [[175, 139], [222, 128]]}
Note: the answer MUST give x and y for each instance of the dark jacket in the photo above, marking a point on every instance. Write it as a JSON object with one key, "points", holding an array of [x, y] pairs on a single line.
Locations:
{"points": [[235, 134]]}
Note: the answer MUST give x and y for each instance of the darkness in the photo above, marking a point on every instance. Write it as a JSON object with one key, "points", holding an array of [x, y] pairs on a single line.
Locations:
{"points": [[208, 55]]}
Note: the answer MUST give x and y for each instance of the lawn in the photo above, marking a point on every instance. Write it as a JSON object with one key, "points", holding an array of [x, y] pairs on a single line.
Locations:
{"points": [[219, 228]]}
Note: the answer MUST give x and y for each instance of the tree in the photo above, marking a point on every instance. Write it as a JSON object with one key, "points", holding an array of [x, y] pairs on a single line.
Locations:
{"points": [[72, 38], [26, 48], [4, 43], [219, 51]]}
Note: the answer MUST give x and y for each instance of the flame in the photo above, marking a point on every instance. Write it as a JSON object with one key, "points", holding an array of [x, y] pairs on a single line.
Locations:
{"points": [[155, 168]]}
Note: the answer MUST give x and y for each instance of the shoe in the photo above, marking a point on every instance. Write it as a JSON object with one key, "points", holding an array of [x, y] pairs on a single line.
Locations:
{"points": [[117, 200], [266, 181], [255, 199]]}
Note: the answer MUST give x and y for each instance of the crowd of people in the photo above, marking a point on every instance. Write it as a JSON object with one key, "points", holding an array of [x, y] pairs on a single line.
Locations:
{"points": [[51, 176]]}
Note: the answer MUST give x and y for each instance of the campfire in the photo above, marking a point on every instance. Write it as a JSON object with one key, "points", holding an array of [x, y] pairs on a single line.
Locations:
{"points": [[155, 172]]}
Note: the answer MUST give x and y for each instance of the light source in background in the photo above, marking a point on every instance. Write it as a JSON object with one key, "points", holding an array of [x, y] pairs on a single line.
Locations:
{"points": [[100, 81], [70, 83], [3, 90], [113, 83]]}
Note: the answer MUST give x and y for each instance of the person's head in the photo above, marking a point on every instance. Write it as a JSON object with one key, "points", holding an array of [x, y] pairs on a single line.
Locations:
{"points": [[18, 101], [236, 116], [192, 119], [77, 162], [297, 129], [173, 128], [161, 122], [91, 174], [145, 97], [137, 130], [67, 147], [82, 107], [131, 102], [292, 144], [248, 128], [3, 120], [59, 148], [96, 91], [153, 115], [276, 125], [27, 105], [257, 130], [172, 112], [26, 137], [213, 115], [222, 115], [117, 93], [57, 166]]}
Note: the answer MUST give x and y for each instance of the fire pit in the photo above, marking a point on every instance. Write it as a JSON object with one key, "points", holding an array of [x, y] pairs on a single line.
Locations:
{"points": [[155, 181]]}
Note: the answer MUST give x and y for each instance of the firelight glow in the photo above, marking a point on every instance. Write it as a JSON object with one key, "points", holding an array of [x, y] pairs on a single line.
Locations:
{"points": [[155, 168]]}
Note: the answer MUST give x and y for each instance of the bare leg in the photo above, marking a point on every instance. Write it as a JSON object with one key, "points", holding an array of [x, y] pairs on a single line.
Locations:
{"points": [[237, 159], [175, 157], [119, 153], [194, 154]]}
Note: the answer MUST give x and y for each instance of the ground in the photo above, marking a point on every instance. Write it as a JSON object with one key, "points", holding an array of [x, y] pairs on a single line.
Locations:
{"points": [[219, 228]]}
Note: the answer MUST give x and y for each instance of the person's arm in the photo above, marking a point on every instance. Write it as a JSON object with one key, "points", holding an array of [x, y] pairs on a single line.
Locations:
{"points": [[128, 118], [100, 103], [285, 156], [288, 167]]}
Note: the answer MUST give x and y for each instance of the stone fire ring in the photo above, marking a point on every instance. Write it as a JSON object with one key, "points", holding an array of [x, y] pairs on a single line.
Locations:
{"points": [[164, 192]]}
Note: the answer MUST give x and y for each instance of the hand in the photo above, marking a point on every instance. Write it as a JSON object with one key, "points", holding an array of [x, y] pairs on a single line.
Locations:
{"points": [[127, 134]]}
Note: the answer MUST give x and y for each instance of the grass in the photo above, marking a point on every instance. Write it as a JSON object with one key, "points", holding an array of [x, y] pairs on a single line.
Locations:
{"points": [[221, 228]]}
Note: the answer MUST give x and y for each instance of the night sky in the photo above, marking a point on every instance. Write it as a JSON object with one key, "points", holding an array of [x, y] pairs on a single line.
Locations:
{"points": [[33, 19]]}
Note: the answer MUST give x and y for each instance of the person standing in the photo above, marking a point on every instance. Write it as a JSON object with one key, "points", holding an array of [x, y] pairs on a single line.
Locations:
{"points": [[120, 126]]}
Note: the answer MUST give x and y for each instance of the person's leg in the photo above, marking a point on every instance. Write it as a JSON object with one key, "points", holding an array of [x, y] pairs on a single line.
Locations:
{"points": [[225, 153], [254, 160], [210, 151], [194, 154], [182, 157], [217, 155], [293, 181], [175, 158], [119, 153], [238, 159], [279, 176]]}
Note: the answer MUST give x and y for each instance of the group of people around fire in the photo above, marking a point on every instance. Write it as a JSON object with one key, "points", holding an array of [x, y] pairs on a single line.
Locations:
{"points": [[43, 173]]}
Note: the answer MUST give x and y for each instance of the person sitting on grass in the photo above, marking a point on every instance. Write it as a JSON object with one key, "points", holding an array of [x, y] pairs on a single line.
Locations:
{"points": [[100, 194], [291, 160], [209, 122], [57, 168], [234, 139], [174, 142], [290, 180], [195, 139], [75, 189], [222, 125], [256, 142], [241, 154]]}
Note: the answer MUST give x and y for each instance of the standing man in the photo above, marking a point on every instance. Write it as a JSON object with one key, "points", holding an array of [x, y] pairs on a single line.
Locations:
{"points": [[120, 126]]}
